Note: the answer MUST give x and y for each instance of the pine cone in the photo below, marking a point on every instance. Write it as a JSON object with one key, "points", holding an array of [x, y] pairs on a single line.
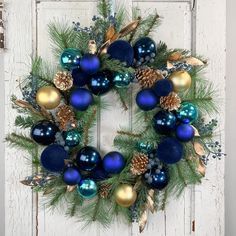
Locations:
{"points": [[170, 102], [139, 164], [148, 76], [104, 190], [63, 80]]}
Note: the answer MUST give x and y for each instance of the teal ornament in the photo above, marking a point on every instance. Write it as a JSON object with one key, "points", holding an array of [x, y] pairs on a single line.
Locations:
{"points": [[72, 137], [145, 147], [70, 58], [122, 80], [188, 112], [87, 188]]}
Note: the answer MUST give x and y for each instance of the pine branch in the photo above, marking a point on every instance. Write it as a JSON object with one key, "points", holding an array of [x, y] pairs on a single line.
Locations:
{"points": [[123, 97], [104, 8], [151, 23], [26, 122]]}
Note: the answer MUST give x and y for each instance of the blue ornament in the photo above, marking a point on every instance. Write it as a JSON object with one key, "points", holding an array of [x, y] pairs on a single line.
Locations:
{"points": [[170, 151], [144, 50], [121, 50], [81, 99], [72, 137], [100, 83], [90, 64], [87, 188], [145, 147], [99, 174], [113, 162], [44, 132], [53, 157], [159, 178], [122, 79], [80, 78], [184, 132], [146, 99], [71, 176], [88, 158], [70, 58], [164, 122], [163, 87], [187, 112]]}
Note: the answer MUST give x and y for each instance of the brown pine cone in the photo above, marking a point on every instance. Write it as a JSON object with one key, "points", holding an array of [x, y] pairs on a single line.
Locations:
{"points": [[139, 164], [63, 80], [104, 190], [170, 102]]}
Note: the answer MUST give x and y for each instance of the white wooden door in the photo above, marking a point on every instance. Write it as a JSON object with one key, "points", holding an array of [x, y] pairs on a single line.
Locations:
{"points": [[198, 25]]}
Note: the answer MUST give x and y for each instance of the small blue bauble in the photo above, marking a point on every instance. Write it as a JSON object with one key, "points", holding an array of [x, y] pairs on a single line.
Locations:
{"points": [[121, 50], [72, 137], [70, 58], [160, 179], [90, 64], [187, 111], [122, 80], [88, 158], [44, 132], [163, 87], [87, 188], [164, 122], [170, 151], [99, 174], [100, 83], [81, 99], [113, 162], [53, 157], [146, 99], [71, 176], [184, 132], [145, 147], [80, 78], [144, 50]]}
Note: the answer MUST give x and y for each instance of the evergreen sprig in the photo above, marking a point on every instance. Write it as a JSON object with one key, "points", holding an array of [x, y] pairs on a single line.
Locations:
{"points": [[104, 8]]}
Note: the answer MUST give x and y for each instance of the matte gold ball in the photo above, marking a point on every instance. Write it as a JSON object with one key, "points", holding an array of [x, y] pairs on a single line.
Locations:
{"points": [[125, 195], [48, 97], [181, 80]]}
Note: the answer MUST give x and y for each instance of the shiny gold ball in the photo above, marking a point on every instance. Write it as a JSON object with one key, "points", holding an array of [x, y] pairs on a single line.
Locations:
{"points": [[125, 195], [48, 97], [181, 81]]}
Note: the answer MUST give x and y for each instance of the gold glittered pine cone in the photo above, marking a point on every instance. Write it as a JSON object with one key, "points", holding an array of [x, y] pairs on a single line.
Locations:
{"points": [[63, 80], [104, 190], [139, 164], [171, 102], [148, 76]]}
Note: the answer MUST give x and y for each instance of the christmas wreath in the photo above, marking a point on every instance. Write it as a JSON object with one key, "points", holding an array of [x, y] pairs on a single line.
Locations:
{"points": [[168, 146]]}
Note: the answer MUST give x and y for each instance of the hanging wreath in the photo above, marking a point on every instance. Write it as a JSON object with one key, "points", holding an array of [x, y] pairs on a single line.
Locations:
{"points": [[166, 150]]}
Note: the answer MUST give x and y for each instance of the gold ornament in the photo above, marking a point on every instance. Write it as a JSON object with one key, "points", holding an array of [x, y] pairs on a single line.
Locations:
{"points": [[92, 46], [139, 164], [63, 80], [148, 76], [125, 195], [181, 80], [104, 190], [48, 97], [170, 102]]}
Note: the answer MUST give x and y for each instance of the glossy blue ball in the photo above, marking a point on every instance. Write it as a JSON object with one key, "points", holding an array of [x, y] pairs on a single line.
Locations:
{"points": [[72, 137], [170, 151], [113, 162], [53, 158], [184, 132], [87, 188], [80, 78], [88, 158], [160, 179], [122, 80], [187, 112], [70, 58], [44, 132], [163, 87], [164, 122], [146, 99], [71, 176], [121, 50], [90, 64], [81, 99]]}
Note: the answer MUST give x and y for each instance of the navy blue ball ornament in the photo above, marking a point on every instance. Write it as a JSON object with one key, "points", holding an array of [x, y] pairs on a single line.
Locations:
{"points": [[122, 80], [113, 162], [88, 158], [81, 99], [170, 151], [90, 64], [87, 188], [99, 174], [146, 99], [159, 178], [164, 122], [70, 58], [163, 87], [100, 83], [53, 158], [44, 132], [121, 50], [144, 50], [184, 132], [71, 176], [80, 78], [188, 112], [72, 137]]}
